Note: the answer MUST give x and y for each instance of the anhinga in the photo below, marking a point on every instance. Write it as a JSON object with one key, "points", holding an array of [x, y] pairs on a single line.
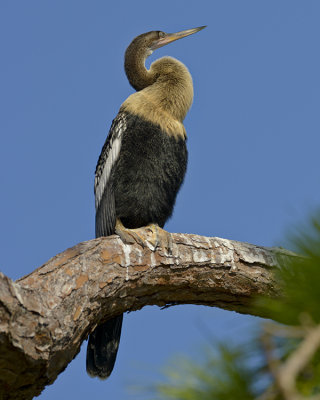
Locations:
{"points": [[142, 163]]}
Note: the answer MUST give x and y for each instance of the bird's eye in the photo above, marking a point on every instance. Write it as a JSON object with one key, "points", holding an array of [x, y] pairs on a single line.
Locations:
{"points": [[161, 34]]}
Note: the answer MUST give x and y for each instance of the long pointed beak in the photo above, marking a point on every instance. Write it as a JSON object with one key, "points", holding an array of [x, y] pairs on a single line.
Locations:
{"points": [[171, 37]]}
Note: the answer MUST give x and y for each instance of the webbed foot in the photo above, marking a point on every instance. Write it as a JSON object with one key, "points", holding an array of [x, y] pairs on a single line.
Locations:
{"points": [[151, 236]]}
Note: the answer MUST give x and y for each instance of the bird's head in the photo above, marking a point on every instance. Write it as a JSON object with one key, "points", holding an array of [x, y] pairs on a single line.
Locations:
{"points": [[142, 47], [150, 41]]}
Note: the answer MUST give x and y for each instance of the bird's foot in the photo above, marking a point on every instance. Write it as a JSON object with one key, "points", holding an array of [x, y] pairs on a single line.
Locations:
{"points": [[128, 236], [151, 236], [157, 237]]}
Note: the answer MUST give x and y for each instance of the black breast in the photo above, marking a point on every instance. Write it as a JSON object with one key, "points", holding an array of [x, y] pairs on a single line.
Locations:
{"points": [[148, 173]]}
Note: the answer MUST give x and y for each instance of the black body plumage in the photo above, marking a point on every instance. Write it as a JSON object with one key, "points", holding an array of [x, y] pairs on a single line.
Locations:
{"points": [[147, 175]]}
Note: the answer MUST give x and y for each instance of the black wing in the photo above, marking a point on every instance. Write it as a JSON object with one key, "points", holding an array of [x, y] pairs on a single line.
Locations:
{"points": [[104, 196]]}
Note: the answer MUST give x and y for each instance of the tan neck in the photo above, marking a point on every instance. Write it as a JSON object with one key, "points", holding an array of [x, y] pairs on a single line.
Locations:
{"points": [[134, 65], [166, 101], [172, 90]]}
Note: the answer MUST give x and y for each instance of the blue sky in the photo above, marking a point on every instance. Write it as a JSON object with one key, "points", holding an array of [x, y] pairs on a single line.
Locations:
{"points": [[253, 138]]}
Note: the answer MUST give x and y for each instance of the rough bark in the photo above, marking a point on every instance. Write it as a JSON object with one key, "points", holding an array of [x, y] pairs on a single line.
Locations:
{"points": [[45, 316]]}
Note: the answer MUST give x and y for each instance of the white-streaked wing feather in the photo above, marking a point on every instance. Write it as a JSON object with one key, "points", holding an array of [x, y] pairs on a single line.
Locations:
{"points": [[108, 157]]}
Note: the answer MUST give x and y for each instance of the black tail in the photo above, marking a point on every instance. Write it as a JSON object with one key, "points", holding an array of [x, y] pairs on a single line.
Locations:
{"points": [[103, 347]]}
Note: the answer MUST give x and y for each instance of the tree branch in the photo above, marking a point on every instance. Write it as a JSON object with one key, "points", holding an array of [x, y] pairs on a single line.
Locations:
{"points": [[45, 316]]}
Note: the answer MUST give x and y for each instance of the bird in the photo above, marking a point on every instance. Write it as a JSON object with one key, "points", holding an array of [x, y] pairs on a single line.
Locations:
{"points": [[142, 164]]}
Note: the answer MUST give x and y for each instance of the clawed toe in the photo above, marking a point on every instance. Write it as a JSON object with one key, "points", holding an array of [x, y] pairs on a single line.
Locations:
{"points": [[151, 236]]}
